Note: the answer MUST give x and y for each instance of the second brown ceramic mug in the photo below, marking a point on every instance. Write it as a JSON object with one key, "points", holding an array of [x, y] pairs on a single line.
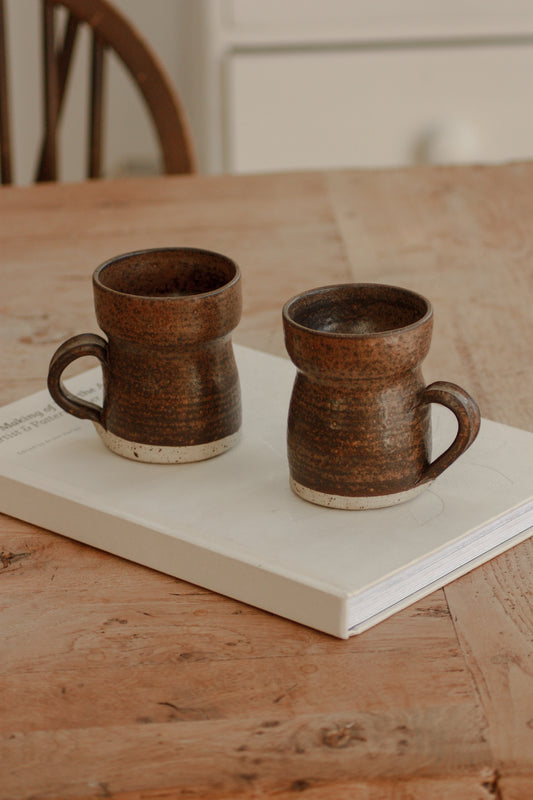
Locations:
{"points": [[171, 387], [359, 431]]}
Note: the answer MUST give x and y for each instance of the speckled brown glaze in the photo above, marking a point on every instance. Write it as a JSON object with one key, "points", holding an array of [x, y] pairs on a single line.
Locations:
{"points": [[170, 379], [359, 432]]}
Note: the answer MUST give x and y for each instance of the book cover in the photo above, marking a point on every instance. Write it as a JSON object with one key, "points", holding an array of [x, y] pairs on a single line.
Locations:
{"points": [[233, 525]]}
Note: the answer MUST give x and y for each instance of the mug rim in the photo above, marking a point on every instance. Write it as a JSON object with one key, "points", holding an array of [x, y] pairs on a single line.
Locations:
{"points": [[321, 290], [166, 298]]}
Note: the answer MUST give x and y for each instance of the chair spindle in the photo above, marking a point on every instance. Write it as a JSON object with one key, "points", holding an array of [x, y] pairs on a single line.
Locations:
{"points": [[5, 132], [51, 96], [95, 108], [63, 58]]}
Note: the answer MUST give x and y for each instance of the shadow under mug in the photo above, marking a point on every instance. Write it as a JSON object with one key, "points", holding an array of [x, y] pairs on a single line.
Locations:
{"points": [[359, 432], [171, 386]]}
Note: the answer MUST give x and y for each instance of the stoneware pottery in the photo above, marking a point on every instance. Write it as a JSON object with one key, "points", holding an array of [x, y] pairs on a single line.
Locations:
{"points": [[359, 418], [171, 388]]}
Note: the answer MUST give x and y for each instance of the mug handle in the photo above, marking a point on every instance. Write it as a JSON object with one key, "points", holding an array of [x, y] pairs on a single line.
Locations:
{"points": [[468, 418], [85, 344]]}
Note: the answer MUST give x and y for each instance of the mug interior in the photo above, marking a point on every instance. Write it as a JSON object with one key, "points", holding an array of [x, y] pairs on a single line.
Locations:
{"points": [[357, 309], [171, 272]]}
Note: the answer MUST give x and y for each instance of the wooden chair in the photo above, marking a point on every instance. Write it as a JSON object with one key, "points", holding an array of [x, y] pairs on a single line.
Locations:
{"points": [[110, 31]]}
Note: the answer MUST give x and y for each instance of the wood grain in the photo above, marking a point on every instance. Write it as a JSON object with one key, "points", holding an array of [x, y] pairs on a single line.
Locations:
{"points": [[264, 754], [117, 681], [498, 598]]}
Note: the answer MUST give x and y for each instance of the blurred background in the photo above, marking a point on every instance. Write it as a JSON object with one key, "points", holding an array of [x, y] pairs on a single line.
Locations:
{"points": [[297, 84]]}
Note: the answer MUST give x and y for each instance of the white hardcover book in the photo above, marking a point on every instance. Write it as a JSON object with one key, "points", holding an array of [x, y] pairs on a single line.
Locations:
{"points": [[233, 525]]}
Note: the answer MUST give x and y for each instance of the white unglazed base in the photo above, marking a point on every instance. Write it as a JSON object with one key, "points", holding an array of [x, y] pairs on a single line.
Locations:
{"points": [[164, 454], [355, 503]]}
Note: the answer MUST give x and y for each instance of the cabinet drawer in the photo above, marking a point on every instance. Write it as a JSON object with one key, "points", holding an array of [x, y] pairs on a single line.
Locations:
{"points": [[380, 18], [378, 107]]}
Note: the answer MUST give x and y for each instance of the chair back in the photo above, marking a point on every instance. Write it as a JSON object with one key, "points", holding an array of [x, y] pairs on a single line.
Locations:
{"points": [[110, 31]]}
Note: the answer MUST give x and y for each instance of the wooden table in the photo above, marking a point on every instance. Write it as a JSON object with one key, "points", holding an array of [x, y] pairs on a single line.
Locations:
{"points": [[117, 681]]}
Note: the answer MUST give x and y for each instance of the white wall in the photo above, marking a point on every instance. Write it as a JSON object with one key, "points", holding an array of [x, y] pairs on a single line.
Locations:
{"points": [[130, 140]]}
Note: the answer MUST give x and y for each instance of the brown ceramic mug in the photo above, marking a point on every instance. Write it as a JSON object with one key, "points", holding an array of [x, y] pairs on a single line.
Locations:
{"points": [[359, 419], [171, 387]]}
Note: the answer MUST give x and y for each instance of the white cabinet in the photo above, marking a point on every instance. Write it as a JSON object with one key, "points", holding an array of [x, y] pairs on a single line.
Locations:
{"points": [[304, 84]]}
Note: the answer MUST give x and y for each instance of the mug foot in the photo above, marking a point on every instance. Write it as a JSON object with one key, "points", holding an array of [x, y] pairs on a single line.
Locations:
{"points": [[165, 454], [355, 503]]}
